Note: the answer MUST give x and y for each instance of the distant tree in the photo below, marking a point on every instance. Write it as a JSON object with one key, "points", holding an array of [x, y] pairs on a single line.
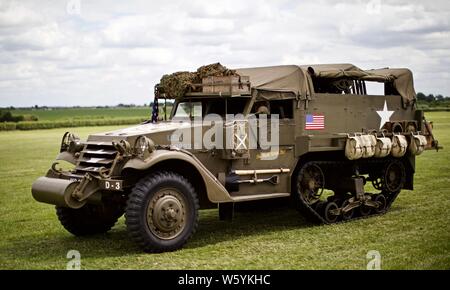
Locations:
{"points": [[439, 98], [421, 96], [126, 105], [8, 117], [430, 98]]}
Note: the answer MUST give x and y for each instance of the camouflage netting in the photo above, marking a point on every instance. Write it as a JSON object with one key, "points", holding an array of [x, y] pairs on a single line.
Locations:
{"points": [[177, 84], [214, 70]]}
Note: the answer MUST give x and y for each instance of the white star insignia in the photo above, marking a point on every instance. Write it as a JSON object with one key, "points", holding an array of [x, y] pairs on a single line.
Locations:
{"points": [[384, 115]]}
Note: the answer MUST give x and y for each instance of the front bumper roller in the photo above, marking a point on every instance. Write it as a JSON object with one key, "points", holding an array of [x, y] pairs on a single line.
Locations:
{"points": [[73, 193], [56, 191]]}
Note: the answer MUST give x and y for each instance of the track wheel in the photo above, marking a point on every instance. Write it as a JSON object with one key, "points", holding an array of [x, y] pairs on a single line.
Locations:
{"points": [[365, 210], [381, 200], [330, 214], [349, 214]]}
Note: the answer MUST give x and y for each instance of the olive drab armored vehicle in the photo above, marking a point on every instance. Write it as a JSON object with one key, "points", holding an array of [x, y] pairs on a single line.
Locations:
{"points": [[337, 150]]}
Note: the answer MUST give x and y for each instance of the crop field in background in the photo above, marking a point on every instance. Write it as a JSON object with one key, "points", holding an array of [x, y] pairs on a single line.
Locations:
{"points": [[415, 234], [49, 118], [61, 114]]}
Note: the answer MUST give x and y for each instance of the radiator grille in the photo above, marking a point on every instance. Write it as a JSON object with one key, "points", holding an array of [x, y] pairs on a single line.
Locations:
{"points": [[95, 156]]}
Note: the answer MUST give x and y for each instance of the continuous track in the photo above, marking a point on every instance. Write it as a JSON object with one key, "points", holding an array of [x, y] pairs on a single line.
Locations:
{"points": [[315, 211]]}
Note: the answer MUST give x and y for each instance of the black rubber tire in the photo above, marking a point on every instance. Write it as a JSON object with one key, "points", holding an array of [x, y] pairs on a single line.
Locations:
{"points": [[365, 210], [136, 211], [330, 218], [90, 219]]}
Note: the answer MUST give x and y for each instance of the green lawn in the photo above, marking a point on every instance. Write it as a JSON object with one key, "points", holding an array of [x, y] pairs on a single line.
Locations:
{"points": [[415, 234]]}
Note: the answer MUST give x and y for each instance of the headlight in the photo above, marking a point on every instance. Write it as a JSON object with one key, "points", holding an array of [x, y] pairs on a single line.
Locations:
{"points": [[71, 143], [143, 146]]}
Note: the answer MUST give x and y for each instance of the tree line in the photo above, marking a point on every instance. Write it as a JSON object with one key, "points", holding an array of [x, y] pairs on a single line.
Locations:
{"points": [[421, 97]]}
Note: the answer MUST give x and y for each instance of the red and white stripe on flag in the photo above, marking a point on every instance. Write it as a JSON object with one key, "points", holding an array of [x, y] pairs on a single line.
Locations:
{"points": [[315, 122]]}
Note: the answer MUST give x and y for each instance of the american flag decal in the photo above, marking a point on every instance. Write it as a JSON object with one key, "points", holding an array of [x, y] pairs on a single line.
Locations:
{"points": [[315, 122]]}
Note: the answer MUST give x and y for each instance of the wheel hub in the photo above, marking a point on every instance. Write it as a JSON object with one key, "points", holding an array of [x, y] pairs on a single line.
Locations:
{"points": [[166, 214]]}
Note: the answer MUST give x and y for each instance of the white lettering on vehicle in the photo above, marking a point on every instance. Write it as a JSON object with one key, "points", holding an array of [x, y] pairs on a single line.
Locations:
{"points": [[112, 185]]}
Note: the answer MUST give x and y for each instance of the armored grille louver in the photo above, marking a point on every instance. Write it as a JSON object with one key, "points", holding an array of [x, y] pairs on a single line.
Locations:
{"points": [[96, 156]]}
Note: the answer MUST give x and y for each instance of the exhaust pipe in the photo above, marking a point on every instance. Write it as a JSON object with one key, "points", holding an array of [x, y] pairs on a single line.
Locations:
{"points": [[56, 191]]}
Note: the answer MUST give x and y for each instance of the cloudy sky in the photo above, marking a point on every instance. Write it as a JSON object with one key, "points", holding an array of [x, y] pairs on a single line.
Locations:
{"points": [[79, 52]]}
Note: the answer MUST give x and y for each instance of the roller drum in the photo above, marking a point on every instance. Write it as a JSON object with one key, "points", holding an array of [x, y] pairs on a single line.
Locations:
{"points": [[56, 191]]}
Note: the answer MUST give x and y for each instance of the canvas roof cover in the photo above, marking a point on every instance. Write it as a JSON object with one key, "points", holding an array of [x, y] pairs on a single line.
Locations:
{"points": [[290, 79], [401, 78], [295, 80]]}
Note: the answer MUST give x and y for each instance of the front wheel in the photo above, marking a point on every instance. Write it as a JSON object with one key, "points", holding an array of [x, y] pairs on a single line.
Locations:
{"points": [[90, 219], [162, 212]]}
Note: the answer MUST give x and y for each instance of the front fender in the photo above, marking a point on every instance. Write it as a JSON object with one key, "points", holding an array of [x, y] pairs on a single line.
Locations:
{"points": [[215, 190], [66, 156]]}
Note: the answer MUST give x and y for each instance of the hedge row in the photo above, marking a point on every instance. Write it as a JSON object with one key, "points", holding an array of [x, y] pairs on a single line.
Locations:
{"points": [[436, 109], [7, 126]]}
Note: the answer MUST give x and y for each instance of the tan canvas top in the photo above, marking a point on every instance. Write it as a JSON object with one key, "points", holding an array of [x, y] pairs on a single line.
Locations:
{"points": [[333, 70], [402, 79], [289, 79], [296, 80]]}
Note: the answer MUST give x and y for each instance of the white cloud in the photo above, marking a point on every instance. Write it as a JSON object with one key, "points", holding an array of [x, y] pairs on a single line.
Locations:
{"points": [[15, 14], [35, 38], [114, 52]]}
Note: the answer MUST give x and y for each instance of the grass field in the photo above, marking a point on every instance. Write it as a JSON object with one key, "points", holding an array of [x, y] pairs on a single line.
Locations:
{"points": [[415, 234], [62, 114]]}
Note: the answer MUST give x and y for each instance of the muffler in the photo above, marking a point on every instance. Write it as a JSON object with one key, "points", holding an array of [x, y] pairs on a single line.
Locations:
{"points": [[56, 191]]}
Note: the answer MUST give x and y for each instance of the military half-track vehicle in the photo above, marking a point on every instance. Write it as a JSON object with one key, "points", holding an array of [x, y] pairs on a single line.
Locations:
{"points": [[340, 153]]}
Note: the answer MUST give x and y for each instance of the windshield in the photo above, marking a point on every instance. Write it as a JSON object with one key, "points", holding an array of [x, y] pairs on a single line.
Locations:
{"points": [[210, 106], [188, 110]]}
